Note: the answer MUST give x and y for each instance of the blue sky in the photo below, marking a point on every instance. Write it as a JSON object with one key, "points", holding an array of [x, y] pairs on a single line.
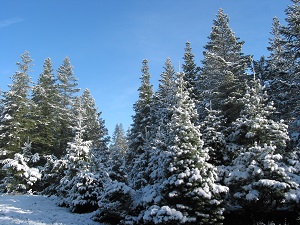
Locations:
{"points": [[106, 40]]}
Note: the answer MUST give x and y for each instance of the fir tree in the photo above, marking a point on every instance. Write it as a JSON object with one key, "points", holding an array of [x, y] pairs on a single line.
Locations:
{"points": [[67, 87], [162, 99], [277, 66], [140, 127], [189, 192], [258, 178], [46, 97], [95, 130], [223, 70], [15, 118], [21, 171], [288, 86], [119, 139], [277, 69], [117, 150], [77, 160], [213, 130], [191, 70]]}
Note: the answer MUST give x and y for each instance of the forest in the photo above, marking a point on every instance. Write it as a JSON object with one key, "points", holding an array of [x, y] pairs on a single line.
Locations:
{"points": [[217, 143]]}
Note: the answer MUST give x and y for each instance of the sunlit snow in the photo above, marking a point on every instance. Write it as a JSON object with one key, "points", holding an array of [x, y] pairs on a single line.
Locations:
{"points": [[38, 210]]}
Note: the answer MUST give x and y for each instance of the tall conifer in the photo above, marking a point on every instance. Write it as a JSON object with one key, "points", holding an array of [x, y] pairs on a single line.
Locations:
{"points": [[137, 154], [223, 71], [15, 117], [45, 112]]}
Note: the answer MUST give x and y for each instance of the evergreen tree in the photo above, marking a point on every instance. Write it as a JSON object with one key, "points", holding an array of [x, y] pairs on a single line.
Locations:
{"points": [[255, 124], [292, 39], [15, 121], [119, 139], [258, 178], [277, 66], [191, 70], [67, 83], [78, 162], [95, 130], [286, 89], [223, 71], [45, 111], [117, 150], [67, 87], [213, 135], [140, 127], [21, 173], [162, 99], [277, 69], [189, 194]]}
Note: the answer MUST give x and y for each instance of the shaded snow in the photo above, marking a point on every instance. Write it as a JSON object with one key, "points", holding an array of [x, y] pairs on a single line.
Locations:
{"points": [[38, 210]]}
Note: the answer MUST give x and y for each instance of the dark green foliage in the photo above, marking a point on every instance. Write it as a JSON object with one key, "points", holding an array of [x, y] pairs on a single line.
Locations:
{"points": [[221, 82], [191, 71], [141, 124], [15, 117], [45, 97], [67, 89]]}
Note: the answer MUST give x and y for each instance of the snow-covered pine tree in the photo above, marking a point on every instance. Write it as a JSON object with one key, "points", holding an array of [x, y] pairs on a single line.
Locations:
{"points": [[15, 122], [115, 202], [117, 150], [277, 70], [213, 135], [155, 144], [67, 87], [95, 129], [277, 67], [161, 110], [137, 156], [223, 71], [119, 139], [79, 189], [258, 176], [287, 88], [191, 70], [254, 124], [292, 39], [21, 171], [189, 194], [45, 97]]}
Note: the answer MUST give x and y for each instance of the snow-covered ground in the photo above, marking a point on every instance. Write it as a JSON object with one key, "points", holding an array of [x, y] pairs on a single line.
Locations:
{"points": [[38, 210]]}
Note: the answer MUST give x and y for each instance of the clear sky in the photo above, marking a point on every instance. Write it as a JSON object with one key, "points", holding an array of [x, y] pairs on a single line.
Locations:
{"points": [[106, 40]]}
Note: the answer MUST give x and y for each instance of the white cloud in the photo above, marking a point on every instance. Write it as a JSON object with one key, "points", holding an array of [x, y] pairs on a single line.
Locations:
{"points": [[11, 21]]}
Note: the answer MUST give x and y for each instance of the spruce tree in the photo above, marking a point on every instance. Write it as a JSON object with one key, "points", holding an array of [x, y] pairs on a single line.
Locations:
{"points": [[162, 98], [15, 117], [213, 135], [286, 91], [277, 66], [191, 70], [223, 71], [78, 162], [95, 130], [119, 139], [140, 129], [67, 87], [189, 194], [45, 112], [277, 70], [117, 151], [258, 177]]}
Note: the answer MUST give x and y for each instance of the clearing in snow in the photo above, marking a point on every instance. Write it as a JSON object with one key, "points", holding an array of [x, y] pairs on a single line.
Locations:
{"points": [[38, 210]]}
